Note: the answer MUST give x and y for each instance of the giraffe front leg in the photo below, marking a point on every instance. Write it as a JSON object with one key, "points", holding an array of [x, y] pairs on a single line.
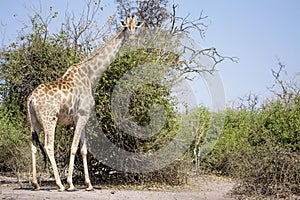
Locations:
{"points": [[71, 164], [81, 122], [85, 165]]}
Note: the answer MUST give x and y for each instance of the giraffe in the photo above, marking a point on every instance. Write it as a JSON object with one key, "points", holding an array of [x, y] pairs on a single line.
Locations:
{"points": [[68, 100]]}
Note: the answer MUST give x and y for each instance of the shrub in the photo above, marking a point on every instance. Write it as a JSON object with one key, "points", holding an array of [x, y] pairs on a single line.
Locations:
{"points": [[260, 149], [15, 151], [144, 99], [268, 171]]}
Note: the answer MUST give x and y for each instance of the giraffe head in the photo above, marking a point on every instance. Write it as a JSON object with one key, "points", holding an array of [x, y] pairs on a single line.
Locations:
{"points": [[130, 26]]}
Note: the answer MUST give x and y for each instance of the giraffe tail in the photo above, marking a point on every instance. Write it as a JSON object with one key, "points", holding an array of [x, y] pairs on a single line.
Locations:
{"points": [[36, 142], [35, 136]]}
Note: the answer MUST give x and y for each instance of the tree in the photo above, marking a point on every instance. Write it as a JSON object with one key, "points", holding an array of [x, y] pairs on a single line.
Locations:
{"points": [[41, 56], [159, 16], [153, 13]]}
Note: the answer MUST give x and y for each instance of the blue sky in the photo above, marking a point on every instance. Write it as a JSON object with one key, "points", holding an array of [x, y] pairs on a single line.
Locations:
{"points": [[255, 31]]}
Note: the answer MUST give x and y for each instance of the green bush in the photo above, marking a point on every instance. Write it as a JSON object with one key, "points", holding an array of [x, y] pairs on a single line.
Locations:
{"points": [[14, 148], [35, 58], [141, 100], [232, 140], [260, 149], [282, 124]]}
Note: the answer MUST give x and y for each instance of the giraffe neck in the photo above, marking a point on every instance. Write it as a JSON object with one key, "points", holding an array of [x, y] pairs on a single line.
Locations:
{"points": [[95, 66]]}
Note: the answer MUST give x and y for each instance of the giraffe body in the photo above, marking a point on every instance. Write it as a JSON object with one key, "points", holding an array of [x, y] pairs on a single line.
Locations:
{"points": [[69, 100]]}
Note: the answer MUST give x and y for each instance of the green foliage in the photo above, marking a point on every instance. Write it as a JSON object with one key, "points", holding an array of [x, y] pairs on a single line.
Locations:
{"points": [[141, 101], [37, 57], [282, 124], [145, 99], [260, 148], [13, 145], [233, 139]]}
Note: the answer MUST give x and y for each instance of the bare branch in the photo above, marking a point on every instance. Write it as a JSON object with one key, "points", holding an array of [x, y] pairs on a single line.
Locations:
{"points": [[194, 63], [288, 90], [248, 102], [186, 25], [80, 28], [154, 14]]}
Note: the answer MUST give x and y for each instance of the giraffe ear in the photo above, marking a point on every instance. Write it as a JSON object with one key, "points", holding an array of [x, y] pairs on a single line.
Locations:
{"points": [[139, 24], [123, 24]]}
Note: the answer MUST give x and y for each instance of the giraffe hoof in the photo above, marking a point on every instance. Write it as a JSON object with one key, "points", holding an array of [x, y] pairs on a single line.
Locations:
{"points": [[72, 189], [89, 189], [61, 189], [36, 187]]}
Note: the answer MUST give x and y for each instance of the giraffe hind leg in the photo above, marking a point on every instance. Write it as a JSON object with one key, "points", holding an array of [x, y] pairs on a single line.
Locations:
{"points": [[49, 129], [34, 176], [83, 151], [35, 128]]}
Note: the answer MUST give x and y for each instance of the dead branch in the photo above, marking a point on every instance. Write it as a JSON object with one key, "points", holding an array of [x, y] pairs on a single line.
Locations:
{"points": [[288, 91], [194, 63], [80, 30], [185, 24]]}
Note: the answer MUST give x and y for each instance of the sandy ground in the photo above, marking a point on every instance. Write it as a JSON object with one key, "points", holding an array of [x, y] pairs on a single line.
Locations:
{"points": [[204, 187]]}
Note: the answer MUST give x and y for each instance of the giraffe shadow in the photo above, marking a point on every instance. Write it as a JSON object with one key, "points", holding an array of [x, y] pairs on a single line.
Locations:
{"points": [[47, 189], [50, 185], [46, 185]]}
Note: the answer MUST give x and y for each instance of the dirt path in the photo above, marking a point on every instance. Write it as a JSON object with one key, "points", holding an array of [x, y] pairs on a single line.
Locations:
{"points": [[207, 187]]}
